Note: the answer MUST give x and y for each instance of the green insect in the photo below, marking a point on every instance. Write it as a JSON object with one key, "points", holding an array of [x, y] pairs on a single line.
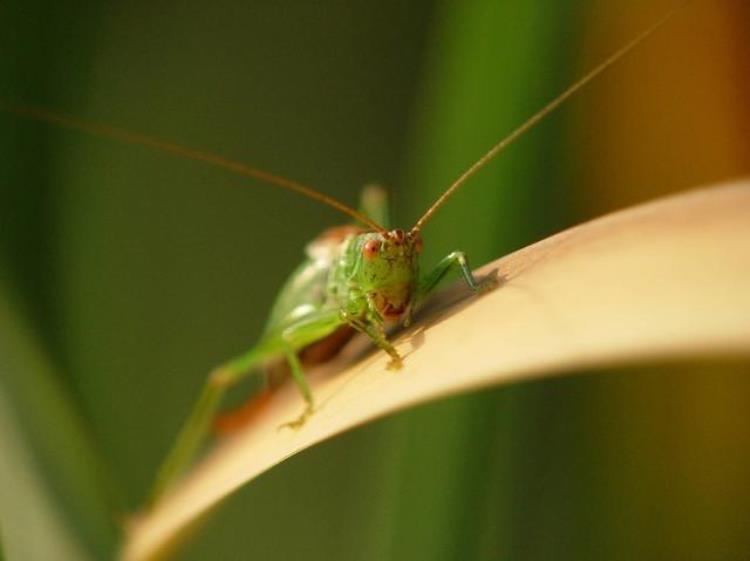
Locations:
{"points": [[354, 279], [360, 277]]}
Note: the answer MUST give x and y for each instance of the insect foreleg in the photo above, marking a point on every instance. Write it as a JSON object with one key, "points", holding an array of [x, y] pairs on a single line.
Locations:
{"points": [[455, 259], [376, 333]]}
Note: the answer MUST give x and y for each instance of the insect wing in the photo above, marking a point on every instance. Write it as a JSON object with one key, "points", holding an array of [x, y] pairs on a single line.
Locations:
{"points": [[306, 291]]}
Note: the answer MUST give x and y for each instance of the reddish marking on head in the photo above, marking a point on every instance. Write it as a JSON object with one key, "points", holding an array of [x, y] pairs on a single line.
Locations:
{"points": [[417, 242], [370, 249], [397, 236]]}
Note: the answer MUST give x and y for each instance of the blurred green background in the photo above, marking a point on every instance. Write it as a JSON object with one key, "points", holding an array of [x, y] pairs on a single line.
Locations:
{"points": [[127, 274]]}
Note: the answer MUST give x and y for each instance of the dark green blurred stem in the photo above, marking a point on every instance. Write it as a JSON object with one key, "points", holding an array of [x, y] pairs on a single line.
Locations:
{"points": [[494, 65], [63, 481]]}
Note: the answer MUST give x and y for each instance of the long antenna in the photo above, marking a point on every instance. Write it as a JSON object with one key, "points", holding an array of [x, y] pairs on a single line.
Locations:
{"points": [[215, 160], [542, 113]]}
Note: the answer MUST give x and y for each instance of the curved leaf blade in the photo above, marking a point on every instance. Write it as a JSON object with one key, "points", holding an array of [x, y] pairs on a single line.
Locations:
{"points": [[664, 279]]}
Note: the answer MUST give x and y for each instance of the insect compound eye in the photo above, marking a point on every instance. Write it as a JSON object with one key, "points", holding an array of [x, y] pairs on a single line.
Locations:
{"points": [[370, 249]]}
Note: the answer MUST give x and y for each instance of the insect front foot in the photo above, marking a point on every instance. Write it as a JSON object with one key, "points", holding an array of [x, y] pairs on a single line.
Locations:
{"points": [[297, 423], [489, 282], [395, 363]]}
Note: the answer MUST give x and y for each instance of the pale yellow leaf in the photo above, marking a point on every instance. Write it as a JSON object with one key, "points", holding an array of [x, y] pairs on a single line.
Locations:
{"points": [[665, 279]]}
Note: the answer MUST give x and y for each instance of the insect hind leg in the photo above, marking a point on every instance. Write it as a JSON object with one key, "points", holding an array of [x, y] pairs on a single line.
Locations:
{"points": [[195, 430]]}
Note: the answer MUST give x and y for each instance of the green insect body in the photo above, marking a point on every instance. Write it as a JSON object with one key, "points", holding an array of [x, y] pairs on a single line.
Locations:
{"points": [[355, 278]]}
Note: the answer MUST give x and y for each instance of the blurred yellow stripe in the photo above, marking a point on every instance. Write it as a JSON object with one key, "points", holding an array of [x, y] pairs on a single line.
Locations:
{"points": [[672, 115]]}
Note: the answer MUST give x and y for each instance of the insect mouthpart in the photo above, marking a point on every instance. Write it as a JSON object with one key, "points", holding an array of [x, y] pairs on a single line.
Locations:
{"points": [[390, 309], [393, 312]]}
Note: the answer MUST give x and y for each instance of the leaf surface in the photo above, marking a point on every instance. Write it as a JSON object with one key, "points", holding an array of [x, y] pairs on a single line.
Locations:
{"points": [[667, 279]]}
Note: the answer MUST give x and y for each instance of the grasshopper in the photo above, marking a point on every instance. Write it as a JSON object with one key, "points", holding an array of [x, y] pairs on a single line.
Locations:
{"points": [[361, 277]]}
